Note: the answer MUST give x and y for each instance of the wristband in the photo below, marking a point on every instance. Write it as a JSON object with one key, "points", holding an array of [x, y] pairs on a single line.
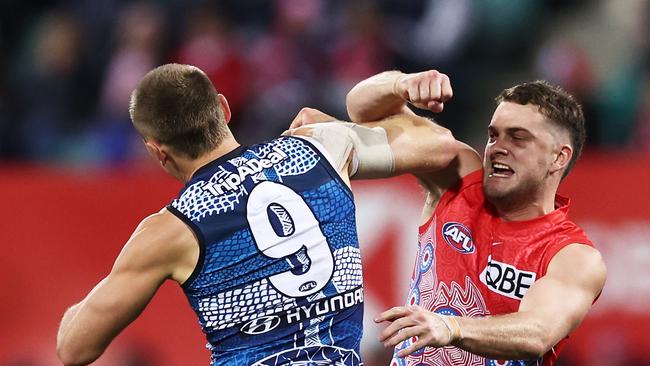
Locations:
{"points": [[452, 325]]}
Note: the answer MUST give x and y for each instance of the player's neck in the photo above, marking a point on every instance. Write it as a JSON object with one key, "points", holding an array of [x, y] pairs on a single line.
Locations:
{"points": [[528, 212], [522, 210], [191, 166]]}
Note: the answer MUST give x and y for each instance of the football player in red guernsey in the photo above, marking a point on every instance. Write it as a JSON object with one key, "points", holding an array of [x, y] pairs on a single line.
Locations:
{"points": [[502, 276]]}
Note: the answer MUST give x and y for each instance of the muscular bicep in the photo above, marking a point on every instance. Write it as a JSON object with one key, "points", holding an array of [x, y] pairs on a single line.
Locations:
{"points": [[151, 256], [562, 298], [117, 300], [122, 295], [161, 248], [138, 272], [426, 149]]}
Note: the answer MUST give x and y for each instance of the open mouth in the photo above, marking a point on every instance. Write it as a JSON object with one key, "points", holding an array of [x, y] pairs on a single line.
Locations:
{"points": [[501, 170]]}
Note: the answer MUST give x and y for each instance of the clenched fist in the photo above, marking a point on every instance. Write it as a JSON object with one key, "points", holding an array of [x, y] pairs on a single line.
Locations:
{"points": [[425, 90]]}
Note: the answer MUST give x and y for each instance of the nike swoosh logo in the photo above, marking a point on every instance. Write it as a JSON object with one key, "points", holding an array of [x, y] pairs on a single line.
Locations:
{"points": [[497, 243]]}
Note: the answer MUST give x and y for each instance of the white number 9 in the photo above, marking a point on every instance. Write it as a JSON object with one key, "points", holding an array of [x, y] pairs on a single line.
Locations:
{"points": [[295, 236]]}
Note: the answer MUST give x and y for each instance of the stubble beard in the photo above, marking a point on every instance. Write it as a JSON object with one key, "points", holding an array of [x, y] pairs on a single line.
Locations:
{"points": [[514, 197]]}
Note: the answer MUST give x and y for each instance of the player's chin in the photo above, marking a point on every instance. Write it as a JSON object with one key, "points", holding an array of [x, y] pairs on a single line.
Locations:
{"points": [[497, 189]]}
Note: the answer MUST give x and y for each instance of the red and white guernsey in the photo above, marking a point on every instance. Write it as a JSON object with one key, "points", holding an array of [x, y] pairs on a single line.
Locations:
{"points": [[472, 263]]}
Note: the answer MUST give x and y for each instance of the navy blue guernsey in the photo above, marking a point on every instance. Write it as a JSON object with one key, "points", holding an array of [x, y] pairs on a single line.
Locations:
{"points": [[278, 280]]}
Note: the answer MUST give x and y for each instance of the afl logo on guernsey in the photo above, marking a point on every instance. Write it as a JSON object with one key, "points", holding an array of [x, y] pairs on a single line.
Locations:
{"points": [[459, 237]]}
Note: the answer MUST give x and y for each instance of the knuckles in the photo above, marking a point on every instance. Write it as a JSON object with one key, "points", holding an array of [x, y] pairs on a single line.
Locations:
{"points": [[433, 73]]}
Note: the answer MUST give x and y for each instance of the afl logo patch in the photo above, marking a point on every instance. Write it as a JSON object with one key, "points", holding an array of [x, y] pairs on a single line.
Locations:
{"points": [[280, 219], [459, 237], [261, 325], [307, 286]]}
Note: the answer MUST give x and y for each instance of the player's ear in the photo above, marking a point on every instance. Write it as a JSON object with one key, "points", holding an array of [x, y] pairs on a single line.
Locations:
{"points": [[156, 151], [562, 158], [223, 104]]}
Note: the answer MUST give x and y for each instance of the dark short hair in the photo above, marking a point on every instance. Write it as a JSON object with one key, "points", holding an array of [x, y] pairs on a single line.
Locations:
{"points": [[178, 106], [558, 106]]}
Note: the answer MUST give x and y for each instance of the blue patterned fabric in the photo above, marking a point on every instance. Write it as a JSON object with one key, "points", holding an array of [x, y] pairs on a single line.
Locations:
{"points": [[279, 275]]}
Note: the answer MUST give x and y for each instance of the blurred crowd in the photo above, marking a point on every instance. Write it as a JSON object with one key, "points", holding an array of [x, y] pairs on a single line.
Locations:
{"points": [[67, 68]]}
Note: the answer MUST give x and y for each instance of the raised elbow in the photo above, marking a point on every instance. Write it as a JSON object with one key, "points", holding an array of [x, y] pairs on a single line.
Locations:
{"points": [[75, 356], [67, 357], [440, 149]]}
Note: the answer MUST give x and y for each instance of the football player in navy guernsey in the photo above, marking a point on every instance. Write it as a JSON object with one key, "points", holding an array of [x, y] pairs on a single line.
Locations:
{"points": [[261, 239]]}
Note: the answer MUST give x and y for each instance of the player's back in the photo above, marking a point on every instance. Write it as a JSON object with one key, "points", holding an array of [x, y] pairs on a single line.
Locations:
{"points": [[278, 280]]}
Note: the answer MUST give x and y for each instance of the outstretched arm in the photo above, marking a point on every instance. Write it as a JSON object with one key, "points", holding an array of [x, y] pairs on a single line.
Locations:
{"points": [[151, 255], [551, 309], [388, 93], [403, 143], [420, 146]]}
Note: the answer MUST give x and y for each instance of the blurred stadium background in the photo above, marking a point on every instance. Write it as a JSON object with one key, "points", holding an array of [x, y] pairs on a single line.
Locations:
{"points": [[77, 181]]}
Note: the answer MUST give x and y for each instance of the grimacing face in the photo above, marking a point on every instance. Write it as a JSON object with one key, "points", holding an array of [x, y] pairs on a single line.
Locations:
{"points": [[519, 152]]}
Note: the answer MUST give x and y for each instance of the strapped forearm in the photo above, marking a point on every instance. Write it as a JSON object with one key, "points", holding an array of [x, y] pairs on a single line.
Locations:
{"points": [[393, 146], [375, 98], [367, 148]]}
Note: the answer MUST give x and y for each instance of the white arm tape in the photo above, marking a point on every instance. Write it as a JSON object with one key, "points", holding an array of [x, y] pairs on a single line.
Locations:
{"points": [[372, 156]]}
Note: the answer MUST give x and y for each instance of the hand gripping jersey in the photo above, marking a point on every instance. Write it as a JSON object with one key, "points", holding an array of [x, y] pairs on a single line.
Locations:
{"points": [[278, 279], [471, 263]]}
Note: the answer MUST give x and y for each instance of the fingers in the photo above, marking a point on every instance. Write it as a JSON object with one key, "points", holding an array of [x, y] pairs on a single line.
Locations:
{"points": [[302, 118], [395, 329], [308, 116], [414, 90], [435, 107], [446, 92], [413, 322], [300, 131], [392, 314], [426, 90], [400, 317], [401, 335], [420, 343], [297, 122]]}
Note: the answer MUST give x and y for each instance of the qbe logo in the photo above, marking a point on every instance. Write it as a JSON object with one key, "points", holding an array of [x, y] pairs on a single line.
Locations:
{"points": [[506, 279], [459, 237]]}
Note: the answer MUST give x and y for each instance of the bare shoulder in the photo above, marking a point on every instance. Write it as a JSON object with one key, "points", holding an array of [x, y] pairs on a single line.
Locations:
{"points": [[164, 231], [580, 264], [164, 242], [165, 225], [581, 255]]}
